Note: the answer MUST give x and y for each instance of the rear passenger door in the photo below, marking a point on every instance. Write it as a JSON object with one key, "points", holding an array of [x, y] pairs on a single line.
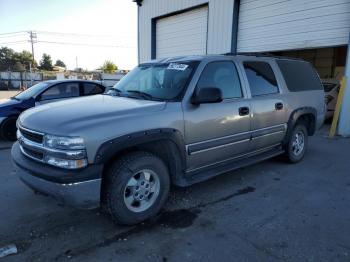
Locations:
{"points": [[268, 109]]}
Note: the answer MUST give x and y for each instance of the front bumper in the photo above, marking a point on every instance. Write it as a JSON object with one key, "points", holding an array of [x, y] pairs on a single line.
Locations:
{"points": [[78, 192], [2, 119]]}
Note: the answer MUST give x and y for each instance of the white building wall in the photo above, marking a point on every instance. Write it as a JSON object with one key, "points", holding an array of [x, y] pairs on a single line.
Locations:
{"points": [[219, 23], [272, 25]]}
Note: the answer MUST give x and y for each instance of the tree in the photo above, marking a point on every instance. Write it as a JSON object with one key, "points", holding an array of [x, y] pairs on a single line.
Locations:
{"points": [[25, 58], [46, 62], [60, 63], [18, 67], [6, 58], [109, 67]]}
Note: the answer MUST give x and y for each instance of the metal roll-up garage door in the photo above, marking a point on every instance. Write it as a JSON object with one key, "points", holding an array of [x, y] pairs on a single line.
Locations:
{"points": [[182, 34], [274, 25]]}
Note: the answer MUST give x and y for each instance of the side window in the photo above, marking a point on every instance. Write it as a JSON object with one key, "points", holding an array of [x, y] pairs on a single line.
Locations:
{"points": [[261, 78], [299, 75], [92, 89], [222, 75], [64, 90]]}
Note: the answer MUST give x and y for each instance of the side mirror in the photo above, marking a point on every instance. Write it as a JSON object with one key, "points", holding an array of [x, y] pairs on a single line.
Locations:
{"points": [[38, 98], [206, 95]]}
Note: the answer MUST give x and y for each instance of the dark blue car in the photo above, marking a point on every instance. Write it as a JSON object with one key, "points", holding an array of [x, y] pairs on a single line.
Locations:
{"points": [[42, 93]]}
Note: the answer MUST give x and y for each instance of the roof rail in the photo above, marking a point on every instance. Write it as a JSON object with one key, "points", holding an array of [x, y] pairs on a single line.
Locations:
{"points": [[269, 55]]}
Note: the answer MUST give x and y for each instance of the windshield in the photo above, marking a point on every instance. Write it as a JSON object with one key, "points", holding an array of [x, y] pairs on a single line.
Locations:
{"points": [[31, 91], [156, 81]]}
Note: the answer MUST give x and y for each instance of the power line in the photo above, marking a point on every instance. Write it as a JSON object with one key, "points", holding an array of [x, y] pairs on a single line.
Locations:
{"points": [[12, 36], [12, 33], [79, 35], [81, 44], [14, 42]]}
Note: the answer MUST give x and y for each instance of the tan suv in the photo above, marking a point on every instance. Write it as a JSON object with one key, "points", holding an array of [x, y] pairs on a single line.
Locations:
{"points": [[171, 121]]}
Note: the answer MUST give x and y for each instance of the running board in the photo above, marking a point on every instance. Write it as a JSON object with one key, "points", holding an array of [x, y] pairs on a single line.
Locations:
{"points": [[199, 175]]}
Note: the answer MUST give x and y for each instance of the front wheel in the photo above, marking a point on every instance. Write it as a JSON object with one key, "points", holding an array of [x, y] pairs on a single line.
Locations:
{"points": [[135, 188], [9, 129], [297, 144]]}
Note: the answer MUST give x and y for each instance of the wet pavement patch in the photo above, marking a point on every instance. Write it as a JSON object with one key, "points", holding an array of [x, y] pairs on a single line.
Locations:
{"points": [[180, 218], [246, 190], [175, 219]]}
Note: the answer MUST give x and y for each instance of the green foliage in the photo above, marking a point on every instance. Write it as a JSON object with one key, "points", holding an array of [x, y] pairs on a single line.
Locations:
{"points": [[109, 67], [60, 63], [18, 67], [16, 61], [46, 62]]}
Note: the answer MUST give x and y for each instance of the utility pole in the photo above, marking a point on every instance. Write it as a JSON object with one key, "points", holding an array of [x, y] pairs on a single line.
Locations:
{"points": [[32, 40]]}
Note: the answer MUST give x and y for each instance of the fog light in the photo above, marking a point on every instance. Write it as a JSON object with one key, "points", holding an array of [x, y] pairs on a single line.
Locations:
{"points": [[66, 163]]}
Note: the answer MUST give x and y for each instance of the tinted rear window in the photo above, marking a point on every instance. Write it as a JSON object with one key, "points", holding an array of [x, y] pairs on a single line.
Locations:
{"points": [[261, 78], [299, 75]]}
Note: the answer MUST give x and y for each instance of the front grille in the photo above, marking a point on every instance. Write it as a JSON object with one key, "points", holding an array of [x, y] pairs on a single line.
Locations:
{"points": [[33, 153], [32, 136]]}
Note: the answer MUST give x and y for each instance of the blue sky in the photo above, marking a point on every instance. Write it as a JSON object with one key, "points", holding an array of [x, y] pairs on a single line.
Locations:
{"points": [[109, 27]]}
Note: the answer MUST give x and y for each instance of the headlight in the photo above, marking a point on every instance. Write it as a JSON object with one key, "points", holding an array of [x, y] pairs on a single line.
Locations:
{"points": [[18, 134], [65, 152], [61, 142]]}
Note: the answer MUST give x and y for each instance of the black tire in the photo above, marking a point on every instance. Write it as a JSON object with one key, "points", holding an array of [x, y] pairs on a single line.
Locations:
{"points": [[115, 184], [9, 129], [291, 154]]}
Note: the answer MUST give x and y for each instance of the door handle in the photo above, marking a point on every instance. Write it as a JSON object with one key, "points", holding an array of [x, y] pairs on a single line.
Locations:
{"points": [[279, 106], [243, 111]]}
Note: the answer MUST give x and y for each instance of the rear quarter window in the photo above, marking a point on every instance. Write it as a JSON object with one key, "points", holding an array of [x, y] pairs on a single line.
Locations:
{"points": [[299, 75]]}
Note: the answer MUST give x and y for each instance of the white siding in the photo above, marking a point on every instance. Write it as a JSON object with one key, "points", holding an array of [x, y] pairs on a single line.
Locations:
{"points": [[273, 25], [219, 23], [182, 34]]}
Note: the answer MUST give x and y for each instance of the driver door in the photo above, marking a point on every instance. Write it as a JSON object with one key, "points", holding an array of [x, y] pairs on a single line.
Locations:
{"points": [[219, 131]]}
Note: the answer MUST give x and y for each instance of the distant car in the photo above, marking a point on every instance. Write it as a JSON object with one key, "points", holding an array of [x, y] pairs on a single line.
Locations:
{"points": [[331, 89], [41, 93]]}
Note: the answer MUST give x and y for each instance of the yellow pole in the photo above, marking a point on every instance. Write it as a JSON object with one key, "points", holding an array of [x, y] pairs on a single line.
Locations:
{"points": [[337, 108]]}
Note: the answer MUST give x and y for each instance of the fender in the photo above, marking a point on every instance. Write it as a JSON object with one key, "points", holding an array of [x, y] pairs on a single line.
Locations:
{"points": [[294, 118], [109, 148]]}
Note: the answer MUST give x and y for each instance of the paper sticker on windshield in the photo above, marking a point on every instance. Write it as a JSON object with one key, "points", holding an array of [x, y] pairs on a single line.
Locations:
{"points": [[179, 67]]}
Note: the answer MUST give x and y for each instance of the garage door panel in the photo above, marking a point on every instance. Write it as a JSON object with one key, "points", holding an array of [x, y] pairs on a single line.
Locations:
{"points": [[252, 13], [292, 25], [182, 34]]}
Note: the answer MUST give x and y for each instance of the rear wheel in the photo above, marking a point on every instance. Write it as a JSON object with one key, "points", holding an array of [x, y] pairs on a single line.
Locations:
{"points": [[9, 129], [297, 144], [135, 188]]}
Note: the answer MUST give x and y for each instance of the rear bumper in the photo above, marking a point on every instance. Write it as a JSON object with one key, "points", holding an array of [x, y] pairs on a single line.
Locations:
{"points": [[79, 193]]}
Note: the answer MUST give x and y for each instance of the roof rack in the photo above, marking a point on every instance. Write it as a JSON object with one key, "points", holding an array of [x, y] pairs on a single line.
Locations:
{"points": [[264, 55]]}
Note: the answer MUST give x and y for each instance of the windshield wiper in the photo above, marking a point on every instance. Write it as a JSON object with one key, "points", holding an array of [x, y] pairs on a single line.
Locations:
{"points": [[142, 94]]}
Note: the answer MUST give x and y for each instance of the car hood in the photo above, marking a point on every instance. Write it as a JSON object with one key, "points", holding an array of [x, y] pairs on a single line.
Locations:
{"points": [[68, 117], [13, 106], [8, 102]]}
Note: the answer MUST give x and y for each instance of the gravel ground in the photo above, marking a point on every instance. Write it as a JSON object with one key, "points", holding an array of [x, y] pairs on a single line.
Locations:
{"points": [[271, 211]]}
